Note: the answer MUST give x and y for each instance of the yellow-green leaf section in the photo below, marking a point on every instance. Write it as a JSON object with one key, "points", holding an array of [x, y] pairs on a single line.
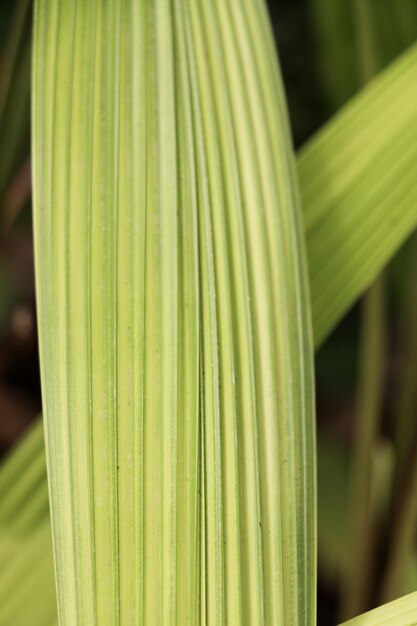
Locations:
{"points": [[401, 612], [321, 202], [27, 586], [359, 190], [173, 316]]}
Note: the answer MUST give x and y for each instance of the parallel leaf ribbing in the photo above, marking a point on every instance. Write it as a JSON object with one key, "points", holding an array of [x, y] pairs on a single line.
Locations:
{"points": [[401, 612], [23, 493], [173, 316], [26, 566], [250, 172], [320, 203], [359, 191], [108, 236], [28, 581]]}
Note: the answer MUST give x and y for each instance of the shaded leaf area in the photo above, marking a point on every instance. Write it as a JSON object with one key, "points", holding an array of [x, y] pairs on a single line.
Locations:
{"points": [[27, 585], [402, 612], [335, 27], [15, 92]]}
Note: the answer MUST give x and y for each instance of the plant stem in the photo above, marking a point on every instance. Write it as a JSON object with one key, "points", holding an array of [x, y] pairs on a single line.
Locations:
{"points": [[407, 389], [358, 574], [403, 538], [404, 501], [356, 583], [366, 44]]}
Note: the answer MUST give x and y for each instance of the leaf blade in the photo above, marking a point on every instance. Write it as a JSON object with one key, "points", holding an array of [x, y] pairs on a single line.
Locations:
{"points": [[401, 612], [89, 261], [358, 191]]}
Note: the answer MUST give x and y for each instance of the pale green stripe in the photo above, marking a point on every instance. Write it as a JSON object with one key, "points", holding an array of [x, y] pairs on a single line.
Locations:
{"points": [[189, 471]]}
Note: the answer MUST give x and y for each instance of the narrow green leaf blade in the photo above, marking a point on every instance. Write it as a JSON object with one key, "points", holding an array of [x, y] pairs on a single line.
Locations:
{"points": [[402, 612], [27, 585], [359, 191]]}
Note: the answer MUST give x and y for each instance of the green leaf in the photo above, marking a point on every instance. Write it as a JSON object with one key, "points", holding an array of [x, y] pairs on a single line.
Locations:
{"points": [[332, 501], [359, 191], [332, 478], [27, 584], [341, 239], [173, 316], [402, 612]]}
